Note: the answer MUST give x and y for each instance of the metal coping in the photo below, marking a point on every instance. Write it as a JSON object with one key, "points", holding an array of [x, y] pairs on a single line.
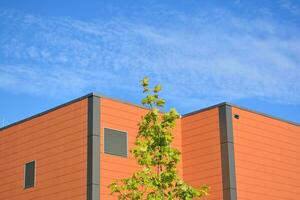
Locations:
{"points": [[129, 103]]}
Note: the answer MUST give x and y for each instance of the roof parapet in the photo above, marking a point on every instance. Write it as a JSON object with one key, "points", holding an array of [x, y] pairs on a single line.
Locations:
{"points": [[139, 106]]}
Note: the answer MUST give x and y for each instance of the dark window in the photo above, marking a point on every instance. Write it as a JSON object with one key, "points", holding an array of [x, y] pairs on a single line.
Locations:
{"points": [[236, 116], [115, 142], [29, 174]]}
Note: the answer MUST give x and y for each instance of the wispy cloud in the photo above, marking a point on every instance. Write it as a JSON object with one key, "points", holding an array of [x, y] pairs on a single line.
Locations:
{"points": [[290, 6], [202, 58]]}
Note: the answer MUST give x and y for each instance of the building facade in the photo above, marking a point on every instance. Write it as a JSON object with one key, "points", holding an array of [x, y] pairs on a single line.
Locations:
{"points": [[74, 151]]}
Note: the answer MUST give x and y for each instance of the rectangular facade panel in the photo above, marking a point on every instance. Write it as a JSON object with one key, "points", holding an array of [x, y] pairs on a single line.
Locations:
{"points": [[57, 141], [267, 153], [201, 151]]}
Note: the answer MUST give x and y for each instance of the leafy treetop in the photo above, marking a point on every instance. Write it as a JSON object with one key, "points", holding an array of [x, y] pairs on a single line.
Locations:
{"points": [[158, 177]]}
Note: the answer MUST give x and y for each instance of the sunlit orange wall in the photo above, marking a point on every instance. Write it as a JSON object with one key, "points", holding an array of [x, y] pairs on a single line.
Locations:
{"points": [[267, 153], [57, 141], [267, 157], [124, 117], [201, 151]]}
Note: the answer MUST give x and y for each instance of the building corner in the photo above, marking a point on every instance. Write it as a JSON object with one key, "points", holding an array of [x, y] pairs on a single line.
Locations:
{"points": [[93, 148], [227, 152]]}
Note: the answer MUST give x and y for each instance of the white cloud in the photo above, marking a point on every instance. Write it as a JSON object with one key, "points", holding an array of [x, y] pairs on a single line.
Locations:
{"points": [[205, 58]]}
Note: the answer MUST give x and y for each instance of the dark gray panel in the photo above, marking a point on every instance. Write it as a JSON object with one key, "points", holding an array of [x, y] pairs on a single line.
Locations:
{"points": [[225, 119], [227, 153], [29, 174], [93, 157], [115, 142], [229, 193]]}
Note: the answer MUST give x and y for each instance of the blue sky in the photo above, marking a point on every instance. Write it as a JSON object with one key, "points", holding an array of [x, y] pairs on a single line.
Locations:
{"points": [[202, 52]]}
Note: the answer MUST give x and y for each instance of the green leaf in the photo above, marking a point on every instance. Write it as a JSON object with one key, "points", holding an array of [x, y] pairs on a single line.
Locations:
{"points": [[157, 88], [145, 81]]}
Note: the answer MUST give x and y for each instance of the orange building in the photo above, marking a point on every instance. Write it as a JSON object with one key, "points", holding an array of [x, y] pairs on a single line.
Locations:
{"points": [[75, 150]]}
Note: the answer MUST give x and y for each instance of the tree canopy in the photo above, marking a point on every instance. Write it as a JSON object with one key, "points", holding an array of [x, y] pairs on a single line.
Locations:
{"points": [[158, 177]]}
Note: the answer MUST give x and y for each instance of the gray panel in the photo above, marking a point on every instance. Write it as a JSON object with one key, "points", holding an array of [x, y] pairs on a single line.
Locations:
{"points": [[227, 153], [93, 157], [229, 193], [115, 142], [225, 117], [29, 174]]}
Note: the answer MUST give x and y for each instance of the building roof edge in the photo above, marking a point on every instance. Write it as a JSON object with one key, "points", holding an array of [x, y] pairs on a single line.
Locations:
{"points": [[125, 102], [46, 111], [242, 108], [68, 103]]}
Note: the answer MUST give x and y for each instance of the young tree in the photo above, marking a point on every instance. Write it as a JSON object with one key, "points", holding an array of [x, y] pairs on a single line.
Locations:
{"points": [[158, 178]]}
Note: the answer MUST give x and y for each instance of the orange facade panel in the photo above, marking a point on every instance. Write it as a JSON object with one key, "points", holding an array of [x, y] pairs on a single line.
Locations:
{"points": [[57, 142], [267, 153], [201, 151]]}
